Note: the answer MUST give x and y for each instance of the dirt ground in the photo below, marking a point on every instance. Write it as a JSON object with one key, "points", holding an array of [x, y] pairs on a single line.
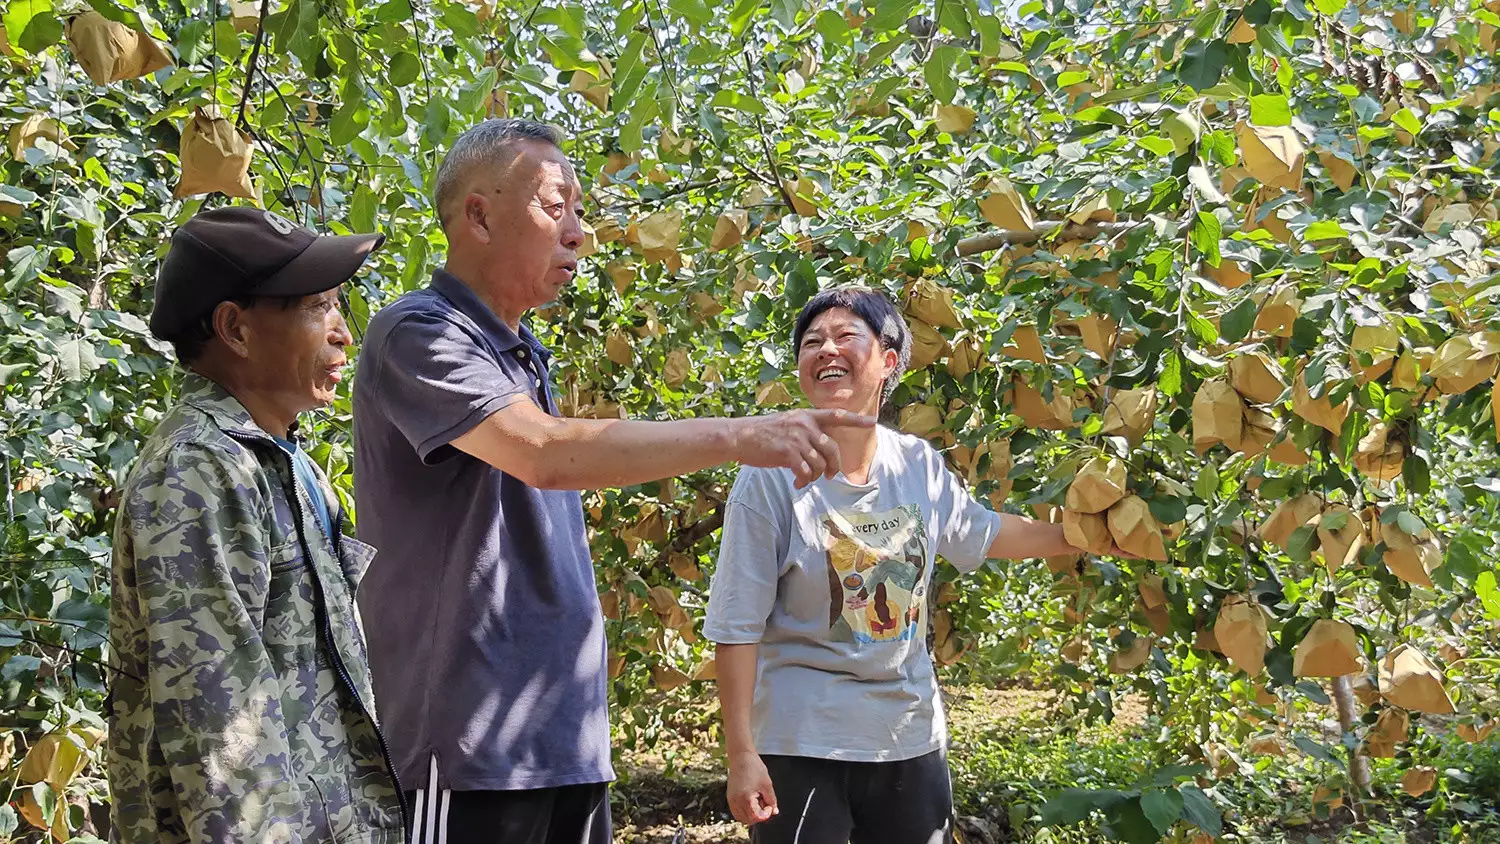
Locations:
{"points": [[688, 807]]}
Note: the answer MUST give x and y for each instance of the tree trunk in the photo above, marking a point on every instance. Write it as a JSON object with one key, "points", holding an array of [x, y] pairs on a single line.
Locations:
{"points": [[1348, 709]]}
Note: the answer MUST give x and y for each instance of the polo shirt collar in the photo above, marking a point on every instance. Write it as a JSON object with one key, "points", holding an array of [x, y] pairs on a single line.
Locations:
{"points": [[451, 288]]}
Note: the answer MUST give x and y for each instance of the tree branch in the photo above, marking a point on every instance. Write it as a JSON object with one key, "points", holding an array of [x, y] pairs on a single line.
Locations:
{"points": [[991, 241], [260, 37], [765, 142]]}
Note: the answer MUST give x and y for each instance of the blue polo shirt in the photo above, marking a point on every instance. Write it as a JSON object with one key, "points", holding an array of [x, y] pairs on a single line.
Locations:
{"points": [[485, 634]]}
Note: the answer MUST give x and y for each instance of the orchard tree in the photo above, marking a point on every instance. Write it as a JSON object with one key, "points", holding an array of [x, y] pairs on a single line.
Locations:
{"points": [[1216, 284]]}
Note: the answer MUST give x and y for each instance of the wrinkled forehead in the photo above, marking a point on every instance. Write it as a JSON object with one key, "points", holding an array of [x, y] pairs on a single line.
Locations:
{"points": [[536, 165]]}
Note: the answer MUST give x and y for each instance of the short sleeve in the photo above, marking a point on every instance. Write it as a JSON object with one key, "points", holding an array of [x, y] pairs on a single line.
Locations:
{"points": [[435, 381], [966, 528], [751, 551]]}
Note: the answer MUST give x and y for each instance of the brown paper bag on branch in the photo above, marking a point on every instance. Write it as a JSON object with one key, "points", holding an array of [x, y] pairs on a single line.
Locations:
{"points": [[1098, 485], [927, 345], [922, 420], [1411, 558], [1330, 649], [1218, 414], [1339, 546], [215, 156], [1289, 515], [1274, 155], [730, 230], [1131, 658], [1256, 377], [1378, 456], [110, 51], [1005, 208], [1278, 313], [1135, 530], [1240, 633], [1390, 730], [1256, 433], [1460, 364], [1381, 343], [1088, 531], [1025, 344], [1411, 681], [1418, 781], [1319, 411], [1130, 413], [967, 356], [932, 304]]}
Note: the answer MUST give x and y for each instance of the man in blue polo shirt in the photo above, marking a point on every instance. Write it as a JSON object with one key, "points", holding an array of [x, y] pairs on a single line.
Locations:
{"points": [[485, 633]]}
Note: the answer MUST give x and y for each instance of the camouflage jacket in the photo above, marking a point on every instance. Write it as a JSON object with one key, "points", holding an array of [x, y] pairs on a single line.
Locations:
{"points": [[241, 710]]}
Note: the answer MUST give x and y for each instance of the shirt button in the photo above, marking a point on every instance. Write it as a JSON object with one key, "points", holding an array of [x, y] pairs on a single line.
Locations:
{"points": [[522, 354]]}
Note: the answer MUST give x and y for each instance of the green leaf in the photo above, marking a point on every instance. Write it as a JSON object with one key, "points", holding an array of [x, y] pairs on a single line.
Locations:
{"points": [[404, 69], [1489, 595], [829, 24], [1408, 522], [6, 371], [32, 25], [1234, 325], [1202, 328], [394, 11], [193, 42], [1171, 374], [1074, 805], [435, 121], [1199, 811], [939, 73], [24, 264], [1157, 145], [1203, 64], [1162, 808], [1206, 485], [890, 14], [76, 359], [1299, 546], [1127, 822], [629, 73], [1317, 750], [473, 97], [1408, 121], [1325, 230], [738, 102], [1416, 474], [1206, 233], [1330, 7], [1270, 110], [348, 121], [362, 207], [8, 820]]}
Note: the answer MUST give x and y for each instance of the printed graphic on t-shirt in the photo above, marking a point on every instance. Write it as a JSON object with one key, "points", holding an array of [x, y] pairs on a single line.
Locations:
{"points": [[876, 574]]}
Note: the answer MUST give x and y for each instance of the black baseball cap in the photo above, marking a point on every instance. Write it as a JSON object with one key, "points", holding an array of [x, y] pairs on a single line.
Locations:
{"points": [[237, 251]]}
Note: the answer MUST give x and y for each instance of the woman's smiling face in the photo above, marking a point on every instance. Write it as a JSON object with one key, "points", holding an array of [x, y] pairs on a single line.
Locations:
{"points": [[841, 363]]}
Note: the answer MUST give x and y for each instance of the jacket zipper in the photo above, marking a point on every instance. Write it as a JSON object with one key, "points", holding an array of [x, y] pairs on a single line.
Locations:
{"points": [[338, 659]]}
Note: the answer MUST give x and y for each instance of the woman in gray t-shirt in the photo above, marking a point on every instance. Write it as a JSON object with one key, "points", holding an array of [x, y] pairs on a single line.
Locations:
{"points": [[832, 721]]}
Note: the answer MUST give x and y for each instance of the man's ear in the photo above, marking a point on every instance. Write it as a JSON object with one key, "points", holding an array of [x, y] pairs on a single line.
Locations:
{"points": [[892, 360], [232, 328], [476, 216]]}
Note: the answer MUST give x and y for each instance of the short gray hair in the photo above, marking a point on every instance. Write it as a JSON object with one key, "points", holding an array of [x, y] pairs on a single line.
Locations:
{"points": [[487, 144]]}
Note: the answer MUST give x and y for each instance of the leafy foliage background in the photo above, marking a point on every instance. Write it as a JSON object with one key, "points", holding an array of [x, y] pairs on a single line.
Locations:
{"points": [[742, 156]]}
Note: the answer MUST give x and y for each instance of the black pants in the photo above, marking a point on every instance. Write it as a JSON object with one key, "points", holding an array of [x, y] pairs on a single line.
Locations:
{"points": [[569, 814], [828, 802]]}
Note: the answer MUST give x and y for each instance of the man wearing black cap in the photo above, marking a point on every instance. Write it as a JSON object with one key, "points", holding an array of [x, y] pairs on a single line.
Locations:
{"points": [[241, 707]]}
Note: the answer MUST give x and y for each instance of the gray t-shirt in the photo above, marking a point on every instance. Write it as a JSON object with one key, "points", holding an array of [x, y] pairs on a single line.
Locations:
{"points": [[485, 635], [831, 581]]}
